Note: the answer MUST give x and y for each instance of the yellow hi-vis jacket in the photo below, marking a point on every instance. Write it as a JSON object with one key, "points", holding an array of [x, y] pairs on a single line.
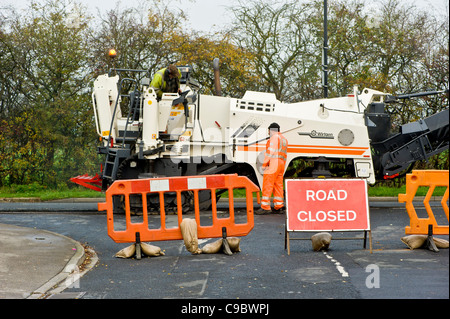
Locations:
{"points": [[158, 83]]}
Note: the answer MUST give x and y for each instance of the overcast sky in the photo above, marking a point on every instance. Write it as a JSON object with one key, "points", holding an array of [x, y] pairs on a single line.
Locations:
{"points": [[206, 15]]}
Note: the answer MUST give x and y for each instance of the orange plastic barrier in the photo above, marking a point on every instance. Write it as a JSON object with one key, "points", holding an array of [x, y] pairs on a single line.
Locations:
{"points": [[141, 231], [431, 179]]}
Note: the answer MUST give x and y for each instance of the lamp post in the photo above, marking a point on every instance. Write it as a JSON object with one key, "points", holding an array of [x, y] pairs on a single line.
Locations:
{"points": [[325, 51]]}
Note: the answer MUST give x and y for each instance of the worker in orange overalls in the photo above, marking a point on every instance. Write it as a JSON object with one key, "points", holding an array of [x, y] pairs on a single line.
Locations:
{"points": [[273, 166]]}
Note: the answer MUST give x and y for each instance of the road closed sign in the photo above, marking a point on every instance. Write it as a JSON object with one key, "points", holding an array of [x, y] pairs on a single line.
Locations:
{"points": [[327, 205]]}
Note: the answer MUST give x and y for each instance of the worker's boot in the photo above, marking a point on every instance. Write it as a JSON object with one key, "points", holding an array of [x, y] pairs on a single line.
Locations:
{"points": [[262, 211], [281, 210]]}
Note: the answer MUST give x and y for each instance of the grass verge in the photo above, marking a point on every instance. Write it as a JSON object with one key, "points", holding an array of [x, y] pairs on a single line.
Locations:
{"points": [[44, 194]]}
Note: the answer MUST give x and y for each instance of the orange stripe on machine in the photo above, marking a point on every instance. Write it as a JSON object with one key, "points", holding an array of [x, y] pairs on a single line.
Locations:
{"points": [[311, 149]]}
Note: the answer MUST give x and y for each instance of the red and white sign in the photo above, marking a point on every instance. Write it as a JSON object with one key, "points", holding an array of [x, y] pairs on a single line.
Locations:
{"points": [[327, 205]]}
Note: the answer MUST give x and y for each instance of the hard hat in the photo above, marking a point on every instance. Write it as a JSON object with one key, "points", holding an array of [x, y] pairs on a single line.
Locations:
{"points": [[274, 126]]}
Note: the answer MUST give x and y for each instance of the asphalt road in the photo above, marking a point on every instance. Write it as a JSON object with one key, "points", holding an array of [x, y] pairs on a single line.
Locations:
{"points": [[261, 272]]}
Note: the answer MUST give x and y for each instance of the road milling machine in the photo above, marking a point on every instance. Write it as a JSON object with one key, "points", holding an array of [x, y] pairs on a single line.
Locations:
{"points": [[191, 134]]}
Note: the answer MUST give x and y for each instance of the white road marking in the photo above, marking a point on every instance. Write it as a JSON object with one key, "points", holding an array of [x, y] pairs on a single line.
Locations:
{"points": [[338, 265]]}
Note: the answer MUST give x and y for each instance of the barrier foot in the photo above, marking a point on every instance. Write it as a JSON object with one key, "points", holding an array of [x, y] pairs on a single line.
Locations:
{"points": [[138, 246], [430, 242], [225, 246]]}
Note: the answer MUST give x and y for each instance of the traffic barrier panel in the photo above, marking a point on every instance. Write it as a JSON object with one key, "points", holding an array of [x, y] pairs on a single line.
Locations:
{"points": [[327, 205], [431, 179], [146, 231]]}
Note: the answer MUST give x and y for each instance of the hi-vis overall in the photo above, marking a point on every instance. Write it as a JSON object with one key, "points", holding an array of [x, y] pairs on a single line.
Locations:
{"points": [[274, 163]]}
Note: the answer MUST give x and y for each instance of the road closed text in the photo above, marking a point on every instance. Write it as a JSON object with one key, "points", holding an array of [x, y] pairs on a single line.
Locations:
{"points": [[331, 216], [326, 205], [322, 195]]}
